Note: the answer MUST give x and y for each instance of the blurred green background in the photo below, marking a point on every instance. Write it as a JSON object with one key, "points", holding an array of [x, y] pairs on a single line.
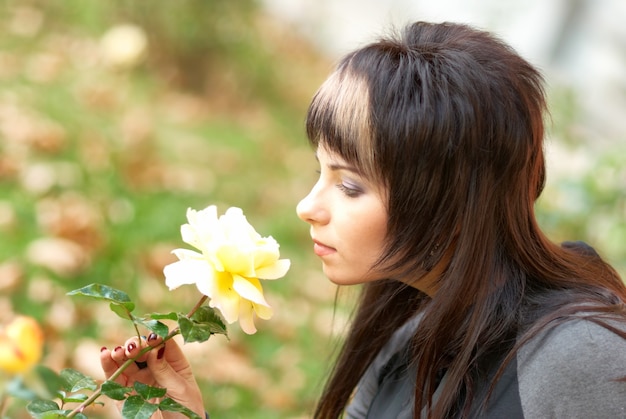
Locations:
{"points": [[116, 116]]}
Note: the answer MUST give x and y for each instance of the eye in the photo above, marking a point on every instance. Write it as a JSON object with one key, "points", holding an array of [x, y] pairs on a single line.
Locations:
{"points": [[349, 190]]}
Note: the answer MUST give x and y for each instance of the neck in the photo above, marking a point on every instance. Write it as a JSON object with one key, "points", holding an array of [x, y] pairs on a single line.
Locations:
{"points": [[428, 282]]}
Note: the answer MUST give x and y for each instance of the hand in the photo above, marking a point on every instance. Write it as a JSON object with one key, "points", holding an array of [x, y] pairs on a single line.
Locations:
{"points": [[167, 367]]}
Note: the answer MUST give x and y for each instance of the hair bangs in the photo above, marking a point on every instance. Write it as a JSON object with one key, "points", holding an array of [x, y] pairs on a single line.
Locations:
{"points": [[340, 120]]}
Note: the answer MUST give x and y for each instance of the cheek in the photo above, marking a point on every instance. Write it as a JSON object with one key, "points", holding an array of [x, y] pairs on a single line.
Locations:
{"points": [[367, 250], [373, 235]]}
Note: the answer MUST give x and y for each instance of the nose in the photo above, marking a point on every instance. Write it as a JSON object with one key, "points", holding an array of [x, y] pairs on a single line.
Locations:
{"points": [[311, 209]]}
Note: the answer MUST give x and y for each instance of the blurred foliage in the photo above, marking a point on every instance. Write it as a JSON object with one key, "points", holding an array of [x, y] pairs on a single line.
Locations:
{"points": [[102, 150], [585, 194], [100, 156]]}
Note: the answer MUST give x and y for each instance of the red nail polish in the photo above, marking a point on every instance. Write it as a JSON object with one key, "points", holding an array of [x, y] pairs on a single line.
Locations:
{"points": [[152, 337], [104, 348], [117, 349], [131, 347], [161, 352]]}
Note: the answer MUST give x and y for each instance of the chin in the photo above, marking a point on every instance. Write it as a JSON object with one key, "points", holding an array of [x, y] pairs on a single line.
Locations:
{"points": [[338, 280], [334, 278], [335, 281]]}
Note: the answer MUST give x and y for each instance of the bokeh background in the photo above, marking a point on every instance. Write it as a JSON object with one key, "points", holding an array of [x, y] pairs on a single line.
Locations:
{"points": [[116, 116]]}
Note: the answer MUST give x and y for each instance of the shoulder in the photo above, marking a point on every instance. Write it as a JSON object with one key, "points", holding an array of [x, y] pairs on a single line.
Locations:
{"points": [[397, 343], [577, 339], [369, 385], [576, 369]]}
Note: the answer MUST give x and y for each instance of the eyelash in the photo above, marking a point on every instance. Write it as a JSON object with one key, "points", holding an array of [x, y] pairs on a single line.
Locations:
{"points": [[348, 191]]}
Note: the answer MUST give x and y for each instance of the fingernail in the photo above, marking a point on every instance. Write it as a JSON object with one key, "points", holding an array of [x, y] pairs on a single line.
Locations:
{"points": [[152, 337], [104, 348], [117, 349], [161, 352], [131, 347]]}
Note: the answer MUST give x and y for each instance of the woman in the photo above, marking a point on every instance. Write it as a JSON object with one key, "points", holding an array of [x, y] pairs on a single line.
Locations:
{"points": [[430, 147]]}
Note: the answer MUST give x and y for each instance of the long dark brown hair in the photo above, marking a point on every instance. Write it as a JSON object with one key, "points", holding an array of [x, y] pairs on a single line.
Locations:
{"points": [[451, 121]]}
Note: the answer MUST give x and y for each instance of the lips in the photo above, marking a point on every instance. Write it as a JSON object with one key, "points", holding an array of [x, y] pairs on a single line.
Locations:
{"points": [[320, 249]]}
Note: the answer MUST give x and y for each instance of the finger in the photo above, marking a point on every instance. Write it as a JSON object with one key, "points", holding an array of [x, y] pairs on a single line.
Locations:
{"points": [[119, 355], [154, 340], [172, 355], [171, 370], [163, 362], [133, 348], [109, 365], [131, 373]]}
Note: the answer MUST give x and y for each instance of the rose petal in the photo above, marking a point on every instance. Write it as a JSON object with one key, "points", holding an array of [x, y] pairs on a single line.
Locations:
{"points": [[185, 254], [246, 319], [201, 227], [227, 302], [275, 271], [250, 289], [236, 227], [188, 271], [263, 312], [236, 259], [265, 256], [212, 284], [225, 298], [188, 233]]}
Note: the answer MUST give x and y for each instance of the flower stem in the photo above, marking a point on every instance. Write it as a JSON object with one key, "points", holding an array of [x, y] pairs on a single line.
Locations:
{"points": [[97, 393], [197, 306]]}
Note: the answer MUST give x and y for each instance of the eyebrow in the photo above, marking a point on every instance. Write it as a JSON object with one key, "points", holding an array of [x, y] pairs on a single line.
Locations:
{"points": [[338, 166], [335, 167]]}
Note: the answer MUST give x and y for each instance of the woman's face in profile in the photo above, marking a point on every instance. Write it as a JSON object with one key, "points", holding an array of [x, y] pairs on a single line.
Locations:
{"points": [[348, 218]]}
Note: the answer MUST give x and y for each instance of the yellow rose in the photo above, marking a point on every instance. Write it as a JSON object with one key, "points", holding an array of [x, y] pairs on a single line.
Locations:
{"points": [[231, 261], [21, 345]]}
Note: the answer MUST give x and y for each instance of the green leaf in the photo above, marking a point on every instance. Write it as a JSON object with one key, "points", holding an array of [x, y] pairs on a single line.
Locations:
{"points": [[164, 316], [76, 381], [104, 292], [114, 390], [19, 390], [148, 392], [170, 405], [51, 380], [210, 316], [153, 325], [192, 332], [37, 407], [135, 407], [121, 311], [204, 323]]}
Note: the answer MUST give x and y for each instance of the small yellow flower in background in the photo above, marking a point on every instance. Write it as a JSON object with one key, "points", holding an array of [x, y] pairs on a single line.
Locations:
{"points": [[233, 258], [124, 46], [21, 345]]}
